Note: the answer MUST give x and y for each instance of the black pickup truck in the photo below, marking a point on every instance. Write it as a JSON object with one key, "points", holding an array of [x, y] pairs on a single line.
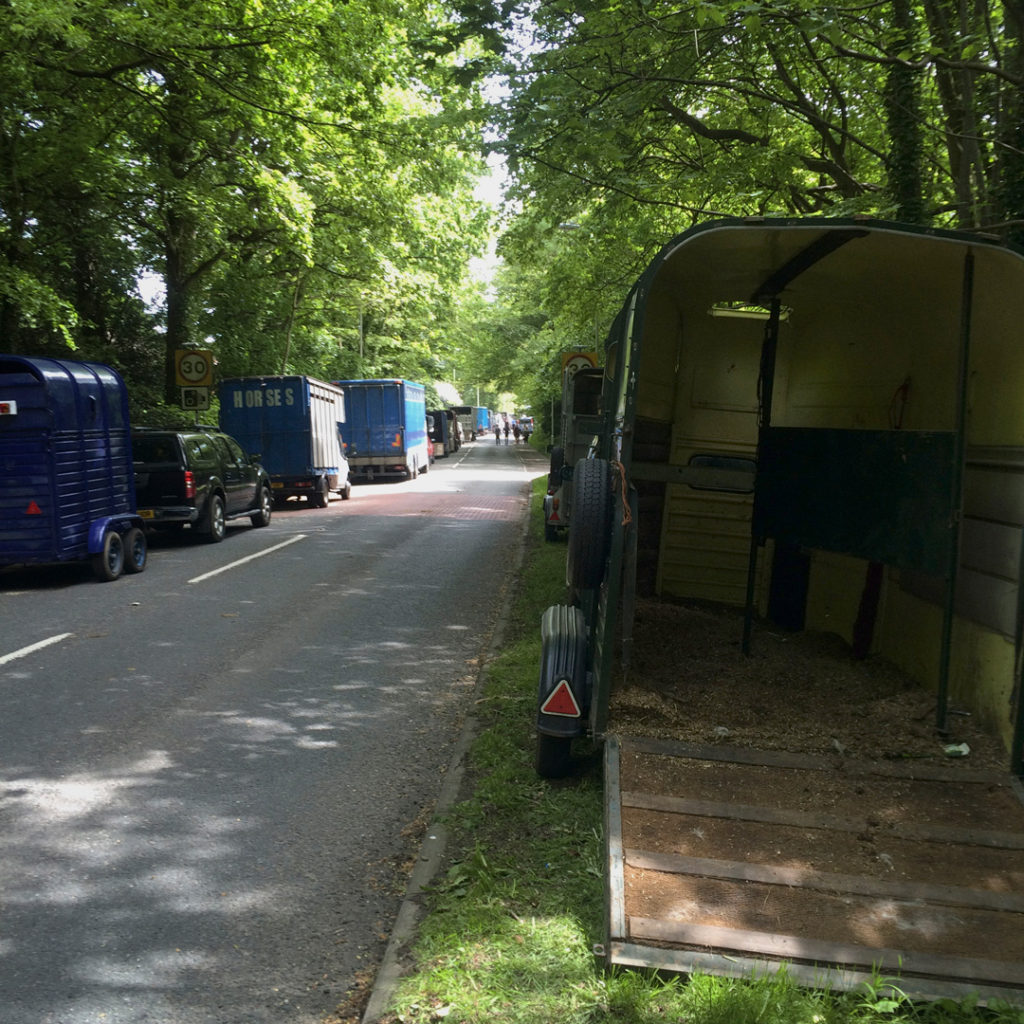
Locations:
{"points": [[201, 477]]}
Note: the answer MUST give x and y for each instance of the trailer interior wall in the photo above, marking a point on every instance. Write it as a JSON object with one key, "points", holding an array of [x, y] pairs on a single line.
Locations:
{"points": [[872, 341]]}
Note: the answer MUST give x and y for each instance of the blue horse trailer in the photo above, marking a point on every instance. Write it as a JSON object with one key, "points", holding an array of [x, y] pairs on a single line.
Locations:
{"points": [[67, 487]]}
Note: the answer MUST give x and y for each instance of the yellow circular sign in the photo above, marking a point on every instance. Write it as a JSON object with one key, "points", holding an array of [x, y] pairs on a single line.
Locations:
{"points": [[194, 368]]}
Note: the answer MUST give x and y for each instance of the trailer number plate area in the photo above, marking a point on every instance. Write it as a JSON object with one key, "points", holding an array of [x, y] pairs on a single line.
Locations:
{"points": [[8, 408], [146, 513]]}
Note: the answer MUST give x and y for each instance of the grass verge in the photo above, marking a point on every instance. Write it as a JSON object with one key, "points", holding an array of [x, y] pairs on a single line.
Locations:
{"points": [[509, 929]]}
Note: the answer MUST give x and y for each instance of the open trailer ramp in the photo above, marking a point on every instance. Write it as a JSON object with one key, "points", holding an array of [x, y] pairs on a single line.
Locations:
{"points": [[735, 862]]}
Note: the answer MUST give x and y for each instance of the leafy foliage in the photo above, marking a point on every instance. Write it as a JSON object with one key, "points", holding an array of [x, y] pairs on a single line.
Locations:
{"points": [[624, 122], [297, 172]]}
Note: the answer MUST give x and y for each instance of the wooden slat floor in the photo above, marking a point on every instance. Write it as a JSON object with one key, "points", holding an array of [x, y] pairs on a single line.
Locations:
{"points": [[734, 861]]}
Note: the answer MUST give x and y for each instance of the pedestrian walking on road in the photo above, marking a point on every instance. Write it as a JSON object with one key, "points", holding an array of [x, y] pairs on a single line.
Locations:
{"points": [[516, 431], [497, 433], [506, 431]]}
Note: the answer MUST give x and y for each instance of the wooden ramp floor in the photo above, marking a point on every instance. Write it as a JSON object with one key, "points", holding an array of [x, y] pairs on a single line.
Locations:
{"points": [[734, 862]]}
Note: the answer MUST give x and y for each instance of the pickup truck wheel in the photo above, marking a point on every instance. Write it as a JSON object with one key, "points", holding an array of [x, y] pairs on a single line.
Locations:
{"points": [[553, 756], [215, 527], [266, 509], [108, 564], [590, 526], [136, 550], [322, 495]]}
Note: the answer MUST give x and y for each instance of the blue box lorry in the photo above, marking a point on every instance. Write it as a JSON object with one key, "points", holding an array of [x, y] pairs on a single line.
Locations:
{"points": [[385, 432], [67, 485], [474, 419], [295, 423]]}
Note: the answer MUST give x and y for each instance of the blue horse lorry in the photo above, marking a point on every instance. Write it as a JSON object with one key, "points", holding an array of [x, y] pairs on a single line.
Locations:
{"points": [[385, 432], [295, 423], [67, 487]]}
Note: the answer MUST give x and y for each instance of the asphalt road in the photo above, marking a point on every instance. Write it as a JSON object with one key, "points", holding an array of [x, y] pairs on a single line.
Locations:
{"points": [[211, 773]]}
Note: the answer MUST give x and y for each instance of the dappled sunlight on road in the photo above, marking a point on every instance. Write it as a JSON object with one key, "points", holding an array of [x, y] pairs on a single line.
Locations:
{"points": [[210, 830]]}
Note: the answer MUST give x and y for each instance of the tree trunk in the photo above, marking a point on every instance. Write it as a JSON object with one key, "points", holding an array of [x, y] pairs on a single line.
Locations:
{"points": [[904, 124], [1009, 199]]}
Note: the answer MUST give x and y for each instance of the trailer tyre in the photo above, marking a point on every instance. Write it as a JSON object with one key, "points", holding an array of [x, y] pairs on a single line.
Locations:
{"points": [[136, 550], [553, 756], [321, 497], [108, 564], [215, 526], [262, 516], [590, 526], [557, 462]]}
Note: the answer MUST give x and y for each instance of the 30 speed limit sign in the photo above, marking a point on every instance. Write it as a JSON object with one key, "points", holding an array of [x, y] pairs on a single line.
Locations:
{"points": [[193, 368]]}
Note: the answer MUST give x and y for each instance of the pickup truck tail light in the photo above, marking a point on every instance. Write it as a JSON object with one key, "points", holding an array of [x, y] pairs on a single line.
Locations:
{"points": [[190, 484]]}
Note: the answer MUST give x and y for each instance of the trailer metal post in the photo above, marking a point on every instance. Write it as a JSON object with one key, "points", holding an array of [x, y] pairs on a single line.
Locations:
{"points": [[956, 502], [765, 388]]}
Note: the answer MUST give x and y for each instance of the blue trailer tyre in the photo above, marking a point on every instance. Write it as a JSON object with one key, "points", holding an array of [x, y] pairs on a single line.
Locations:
{"points": [[108, 564], [136, 550], [553, 756], [590, 524], [215, 528], [262, 516]]}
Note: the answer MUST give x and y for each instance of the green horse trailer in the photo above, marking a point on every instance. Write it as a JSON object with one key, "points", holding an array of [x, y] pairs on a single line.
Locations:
{"points": [[810, 428]]}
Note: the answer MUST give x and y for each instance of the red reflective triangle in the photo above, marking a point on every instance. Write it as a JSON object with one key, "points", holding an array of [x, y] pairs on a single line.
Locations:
{"points": [[561, 702], [554, 517], [33, 509]]}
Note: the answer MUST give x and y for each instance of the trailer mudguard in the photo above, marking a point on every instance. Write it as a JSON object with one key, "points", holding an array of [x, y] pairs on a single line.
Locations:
{"points": [[563, 699], [120, 523]]}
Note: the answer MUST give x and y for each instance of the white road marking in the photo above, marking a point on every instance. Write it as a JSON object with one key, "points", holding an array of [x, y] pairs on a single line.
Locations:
{"points": [[248, 558], [32, 648]]}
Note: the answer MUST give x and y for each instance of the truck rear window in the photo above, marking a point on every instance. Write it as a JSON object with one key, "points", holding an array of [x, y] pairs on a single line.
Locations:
{"points": [[155, 449]]}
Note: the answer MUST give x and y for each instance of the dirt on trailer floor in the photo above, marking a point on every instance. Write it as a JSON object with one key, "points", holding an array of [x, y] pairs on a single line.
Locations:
{"points": [[800, 692], [799, 805]]}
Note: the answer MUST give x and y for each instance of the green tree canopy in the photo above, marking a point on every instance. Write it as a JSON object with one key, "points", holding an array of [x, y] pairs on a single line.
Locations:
{"points": [[627, 121], [298, 173]]}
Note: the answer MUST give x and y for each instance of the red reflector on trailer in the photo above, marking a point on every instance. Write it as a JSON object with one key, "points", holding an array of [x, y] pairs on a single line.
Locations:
{"points": [[561, 702], [33, 509], [554, 517]]}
